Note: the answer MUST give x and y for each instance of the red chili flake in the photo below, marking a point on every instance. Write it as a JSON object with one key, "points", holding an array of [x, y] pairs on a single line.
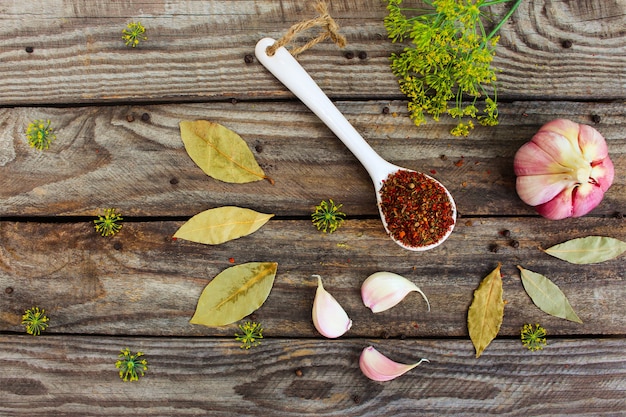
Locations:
{"points": [[433, 171], [231, 260], [459, 163], [416, 208]]}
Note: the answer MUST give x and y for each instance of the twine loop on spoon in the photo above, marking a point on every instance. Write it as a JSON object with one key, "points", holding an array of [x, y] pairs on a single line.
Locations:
{"points": [[324, 20]]}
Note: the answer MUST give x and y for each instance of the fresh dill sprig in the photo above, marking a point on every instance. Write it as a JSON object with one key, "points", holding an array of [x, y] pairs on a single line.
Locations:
{"points": [[448, 60]]}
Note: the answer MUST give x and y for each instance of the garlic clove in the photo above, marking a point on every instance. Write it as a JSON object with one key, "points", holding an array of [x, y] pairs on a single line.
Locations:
{"points": [[378, 367], [603, 173], [592, 144], [557, 208], [563, 127], [329, 318], [587, 197], [560, 148], [539, 189], [383, 290], [532, 160]]}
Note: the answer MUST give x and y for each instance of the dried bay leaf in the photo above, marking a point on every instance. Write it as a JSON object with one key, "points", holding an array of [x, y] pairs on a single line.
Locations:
{"points": [[588, 250], [220, 152], [547, 295], [235, 293], [486, 312], [221, 224]]}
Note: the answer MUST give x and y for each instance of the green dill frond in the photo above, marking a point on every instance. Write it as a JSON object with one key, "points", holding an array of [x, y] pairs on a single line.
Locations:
{"points": [[449, 56]]}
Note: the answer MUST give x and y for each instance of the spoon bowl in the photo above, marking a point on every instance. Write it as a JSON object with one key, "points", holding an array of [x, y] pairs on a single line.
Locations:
{"points": [[288, 71]]}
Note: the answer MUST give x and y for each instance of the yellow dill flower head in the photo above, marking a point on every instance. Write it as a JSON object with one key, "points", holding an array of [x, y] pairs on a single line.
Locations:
{"points": [[534, 338], [251, 333], [130, 366], [133, 34], [39, 134], [108, 225], [327, 217], [462, 129], [35, 321]]}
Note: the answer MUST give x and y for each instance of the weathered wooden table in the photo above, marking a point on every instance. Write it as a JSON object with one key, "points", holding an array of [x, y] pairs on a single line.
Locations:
{"points": [[115, 111]]}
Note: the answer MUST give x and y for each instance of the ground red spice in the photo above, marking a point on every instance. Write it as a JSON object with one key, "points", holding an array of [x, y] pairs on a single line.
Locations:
{"points": [[416, 208]]}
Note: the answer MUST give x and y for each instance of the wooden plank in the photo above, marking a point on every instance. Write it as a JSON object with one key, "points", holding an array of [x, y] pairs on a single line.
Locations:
{"points": [[142, 283], [196, 51], [100, 159], [75, 376]]}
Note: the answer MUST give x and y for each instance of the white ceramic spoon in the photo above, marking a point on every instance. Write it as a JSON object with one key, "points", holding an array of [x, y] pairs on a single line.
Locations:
{"points": [[288, 71]]}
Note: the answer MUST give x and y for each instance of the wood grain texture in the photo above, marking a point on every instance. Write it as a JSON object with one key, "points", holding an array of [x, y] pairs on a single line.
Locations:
{"points": [[115, 111], [196, 51], [69, 375], [142, 282], [101, 160]]}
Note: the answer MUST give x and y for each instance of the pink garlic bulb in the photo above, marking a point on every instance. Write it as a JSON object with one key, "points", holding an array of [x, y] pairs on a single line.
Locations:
{"points": [[564, 170]]}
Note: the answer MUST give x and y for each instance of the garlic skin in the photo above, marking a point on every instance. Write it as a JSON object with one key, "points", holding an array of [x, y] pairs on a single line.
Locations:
{"points": [[378, 367], [564, 170], [383, 290], [329, 318]]}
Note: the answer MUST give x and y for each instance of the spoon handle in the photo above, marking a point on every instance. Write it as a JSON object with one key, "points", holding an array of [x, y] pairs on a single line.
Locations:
{"points": [[289, 71]]}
